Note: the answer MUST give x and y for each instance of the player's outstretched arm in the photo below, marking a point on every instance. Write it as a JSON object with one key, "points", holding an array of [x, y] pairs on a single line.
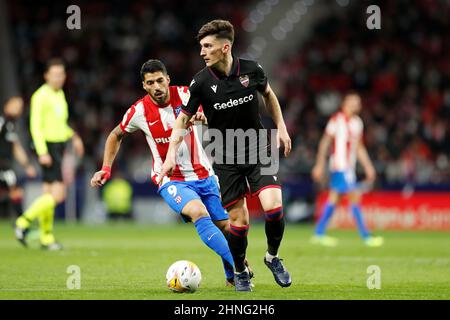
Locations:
{"points": [[176, 138], [273, 106], [321, 158], [364, 159], [112, 147]]}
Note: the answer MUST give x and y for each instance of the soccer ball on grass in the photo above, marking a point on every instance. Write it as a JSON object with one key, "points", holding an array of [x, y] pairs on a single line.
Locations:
{"points": [[183, 276]]}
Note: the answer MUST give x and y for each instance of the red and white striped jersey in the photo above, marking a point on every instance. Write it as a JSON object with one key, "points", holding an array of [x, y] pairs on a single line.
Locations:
{"points": [[157, 122], [346, 133]]}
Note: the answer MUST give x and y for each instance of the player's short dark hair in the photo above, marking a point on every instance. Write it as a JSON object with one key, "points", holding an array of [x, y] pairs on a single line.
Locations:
{"points": [[222, 29], [152, 66], [54, 62]]}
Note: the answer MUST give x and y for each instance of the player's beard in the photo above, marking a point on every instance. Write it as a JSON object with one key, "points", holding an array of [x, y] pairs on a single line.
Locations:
{"points": [[160, 99]]}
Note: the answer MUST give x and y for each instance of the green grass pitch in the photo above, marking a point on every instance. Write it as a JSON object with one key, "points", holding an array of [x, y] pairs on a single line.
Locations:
{"points": [[127, 261]]}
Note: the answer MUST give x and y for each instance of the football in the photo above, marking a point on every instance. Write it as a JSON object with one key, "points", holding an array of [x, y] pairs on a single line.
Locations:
{"points": [[183, 276]]}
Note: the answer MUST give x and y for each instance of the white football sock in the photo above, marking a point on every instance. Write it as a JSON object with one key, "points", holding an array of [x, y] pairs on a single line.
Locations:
{"points": [[246, 270], [269, 257]]}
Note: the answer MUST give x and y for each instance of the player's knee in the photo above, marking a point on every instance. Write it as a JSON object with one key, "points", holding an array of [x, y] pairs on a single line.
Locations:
{"points": [[224, 227], [333, 198], [60, 198], [58, 195], [270, 199], [275, 204], [195, 212], [354, 199], [239, 218], [238, 214]]}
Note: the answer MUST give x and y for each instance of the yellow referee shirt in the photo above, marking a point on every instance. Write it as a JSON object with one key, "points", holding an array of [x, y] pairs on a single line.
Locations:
{"points": [[48, 118]]}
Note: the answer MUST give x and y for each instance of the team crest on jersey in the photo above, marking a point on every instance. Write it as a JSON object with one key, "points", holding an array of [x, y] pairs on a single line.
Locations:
{"points": [[244, 80], [177, 111], [178, 199]]}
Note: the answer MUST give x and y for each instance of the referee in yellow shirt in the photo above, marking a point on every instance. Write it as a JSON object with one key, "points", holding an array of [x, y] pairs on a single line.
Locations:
{"points": [[50, 133]]}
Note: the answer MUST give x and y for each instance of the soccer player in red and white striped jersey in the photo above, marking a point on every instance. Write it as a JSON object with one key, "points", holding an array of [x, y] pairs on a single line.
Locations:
{"points": [[344, 133], [156, 121], [192, 190]]}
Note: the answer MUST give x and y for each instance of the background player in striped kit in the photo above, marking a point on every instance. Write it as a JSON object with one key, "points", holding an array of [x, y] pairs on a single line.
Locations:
{"points": [[192, 191], [344, 132]]}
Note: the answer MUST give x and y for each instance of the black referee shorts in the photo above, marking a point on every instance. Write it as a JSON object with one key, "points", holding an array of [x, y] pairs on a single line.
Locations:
{"points": [[242, 180], [54, 173]]}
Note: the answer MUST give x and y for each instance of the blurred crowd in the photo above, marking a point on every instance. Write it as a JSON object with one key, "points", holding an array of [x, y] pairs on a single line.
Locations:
{"points": [[104, 57], [402, 72]]}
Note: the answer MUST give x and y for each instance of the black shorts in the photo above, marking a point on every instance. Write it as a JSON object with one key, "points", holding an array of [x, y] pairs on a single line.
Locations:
{"points": [[56, 151], [242, 180]]}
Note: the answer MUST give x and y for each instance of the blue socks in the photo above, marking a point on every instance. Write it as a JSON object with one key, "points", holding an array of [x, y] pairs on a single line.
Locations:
{"points": [[214, 238], [328, 212], [357, 214], [326, 215]]}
